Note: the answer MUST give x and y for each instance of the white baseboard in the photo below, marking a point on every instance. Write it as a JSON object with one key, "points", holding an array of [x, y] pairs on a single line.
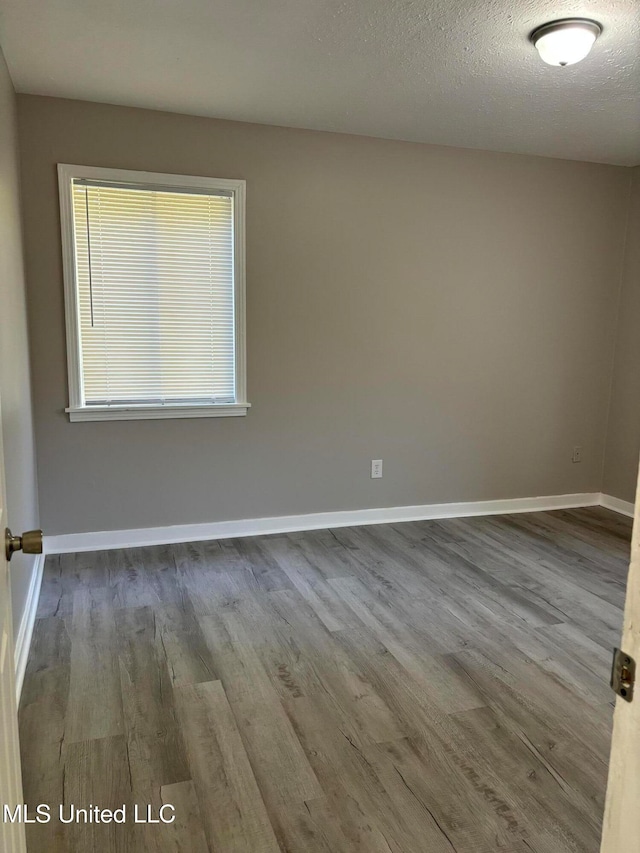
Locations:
{"points": [[25, 631], [617, 505], [108, 539]]}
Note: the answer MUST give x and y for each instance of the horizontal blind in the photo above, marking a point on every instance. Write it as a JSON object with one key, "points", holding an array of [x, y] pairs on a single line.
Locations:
{"points": [[155, 280]]}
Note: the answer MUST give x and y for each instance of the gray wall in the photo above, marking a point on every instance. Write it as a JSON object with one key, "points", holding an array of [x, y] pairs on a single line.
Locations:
{"points": [[15, 386], [623, 433], [450, 311]]}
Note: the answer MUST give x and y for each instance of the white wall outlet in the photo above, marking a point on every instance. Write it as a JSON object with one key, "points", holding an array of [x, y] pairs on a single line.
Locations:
{"points": [[376, 469], [577, 454]]}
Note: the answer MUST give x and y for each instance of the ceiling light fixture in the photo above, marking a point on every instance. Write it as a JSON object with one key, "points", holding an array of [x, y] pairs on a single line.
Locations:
{"points": [[567, 41]]}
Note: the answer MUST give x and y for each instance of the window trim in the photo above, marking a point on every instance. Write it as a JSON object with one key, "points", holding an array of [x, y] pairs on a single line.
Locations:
{"points": [[79, 411]]}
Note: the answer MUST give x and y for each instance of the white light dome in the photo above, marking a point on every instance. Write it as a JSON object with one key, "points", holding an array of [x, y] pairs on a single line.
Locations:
{"points": [[565, 42]]}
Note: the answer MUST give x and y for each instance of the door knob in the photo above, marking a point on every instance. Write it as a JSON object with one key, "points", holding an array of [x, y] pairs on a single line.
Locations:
{"points": [[30, 542]]}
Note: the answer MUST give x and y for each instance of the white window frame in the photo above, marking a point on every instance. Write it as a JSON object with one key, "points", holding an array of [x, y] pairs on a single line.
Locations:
{"points": [[77, 410]]}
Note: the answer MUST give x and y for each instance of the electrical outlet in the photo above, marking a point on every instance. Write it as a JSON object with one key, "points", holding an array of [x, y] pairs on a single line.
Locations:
{"points": [[376, 469], [577, 454]]}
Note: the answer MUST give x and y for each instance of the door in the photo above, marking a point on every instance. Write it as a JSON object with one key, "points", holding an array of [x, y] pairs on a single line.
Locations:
{"points": [[621, 831], [11, 834]]}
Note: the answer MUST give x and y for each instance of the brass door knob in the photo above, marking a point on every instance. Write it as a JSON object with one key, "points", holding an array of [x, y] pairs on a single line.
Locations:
{"points": [[30, 542]]}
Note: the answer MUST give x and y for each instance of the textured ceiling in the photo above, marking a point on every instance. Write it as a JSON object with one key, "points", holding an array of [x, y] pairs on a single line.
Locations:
{"points": [[453, 72]]}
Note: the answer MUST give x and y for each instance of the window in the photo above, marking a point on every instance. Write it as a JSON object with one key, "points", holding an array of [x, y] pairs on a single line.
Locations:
{"points": [[154, 294]]}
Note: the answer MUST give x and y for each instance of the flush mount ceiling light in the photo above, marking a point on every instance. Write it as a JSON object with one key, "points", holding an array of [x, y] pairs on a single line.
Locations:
{"points": [[567, 41]]}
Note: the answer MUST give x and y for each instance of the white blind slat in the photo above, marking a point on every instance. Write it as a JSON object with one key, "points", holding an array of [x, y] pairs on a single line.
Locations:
{"points": [[155, 281]]}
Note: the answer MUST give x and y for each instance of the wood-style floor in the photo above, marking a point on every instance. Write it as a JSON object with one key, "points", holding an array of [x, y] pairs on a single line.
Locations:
{"points": [[416, 688]]}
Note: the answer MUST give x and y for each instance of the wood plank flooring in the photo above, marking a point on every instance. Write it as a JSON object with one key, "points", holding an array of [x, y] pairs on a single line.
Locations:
{"points": [[411, 688]]}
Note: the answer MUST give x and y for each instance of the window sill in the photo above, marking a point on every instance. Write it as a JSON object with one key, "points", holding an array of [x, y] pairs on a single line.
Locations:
{"points": [[135, 413]]}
